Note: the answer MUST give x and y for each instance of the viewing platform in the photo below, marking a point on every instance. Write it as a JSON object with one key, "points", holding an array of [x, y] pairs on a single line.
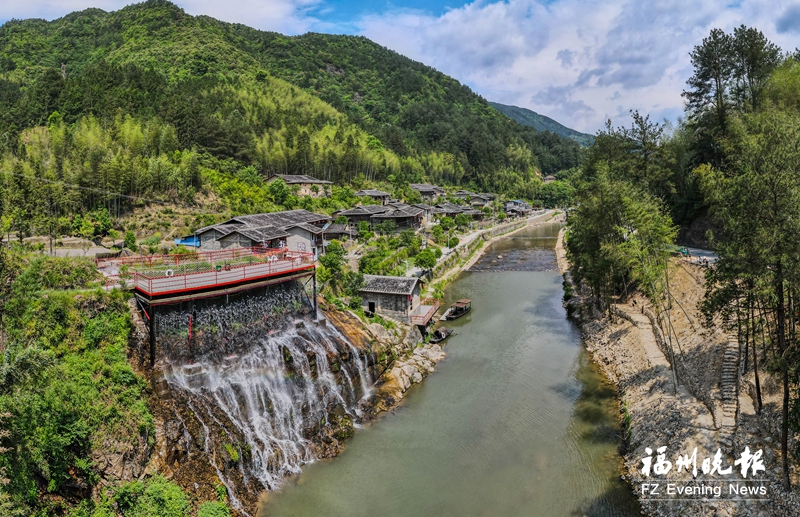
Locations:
{"points": [[423, 313], [169, 278]]}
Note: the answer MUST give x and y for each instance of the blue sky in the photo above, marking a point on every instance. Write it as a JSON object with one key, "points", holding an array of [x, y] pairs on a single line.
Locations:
{"points": [[579, 61]]}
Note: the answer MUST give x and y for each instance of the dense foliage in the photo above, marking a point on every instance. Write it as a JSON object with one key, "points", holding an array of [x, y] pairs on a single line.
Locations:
{"points": [[65, 381], [735, 156], [197, 85]]}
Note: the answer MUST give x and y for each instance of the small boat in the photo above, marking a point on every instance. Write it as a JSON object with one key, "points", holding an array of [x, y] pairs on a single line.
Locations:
{"points": [[440, 335], [457, 310]]}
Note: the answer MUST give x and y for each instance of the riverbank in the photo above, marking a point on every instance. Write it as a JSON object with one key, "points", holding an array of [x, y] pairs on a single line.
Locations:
{"points": [[516, 420], [413, 358], [465, 257], [698, 413]]}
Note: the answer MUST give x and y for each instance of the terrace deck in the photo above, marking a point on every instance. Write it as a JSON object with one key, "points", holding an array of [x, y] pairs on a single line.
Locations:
{"points": [[181, 277]]}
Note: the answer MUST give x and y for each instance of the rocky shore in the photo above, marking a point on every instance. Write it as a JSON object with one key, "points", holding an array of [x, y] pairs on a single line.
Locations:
{"points": [[656, 413]]}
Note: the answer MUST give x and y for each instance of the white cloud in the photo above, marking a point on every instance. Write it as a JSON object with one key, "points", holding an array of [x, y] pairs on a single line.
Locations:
{"points": [[578, 61], [286, 16]]}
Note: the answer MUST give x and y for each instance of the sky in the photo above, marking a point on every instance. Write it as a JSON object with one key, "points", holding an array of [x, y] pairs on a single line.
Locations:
{"points": [[581, 62]]}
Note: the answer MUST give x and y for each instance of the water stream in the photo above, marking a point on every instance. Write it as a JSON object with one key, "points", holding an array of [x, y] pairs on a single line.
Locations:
{"points": [[516, 421], [262, 383]]}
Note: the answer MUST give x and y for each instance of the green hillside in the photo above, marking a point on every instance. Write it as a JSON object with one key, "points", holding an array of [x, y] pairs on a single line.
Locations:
{"points": [[539, 122], [355, 107]]}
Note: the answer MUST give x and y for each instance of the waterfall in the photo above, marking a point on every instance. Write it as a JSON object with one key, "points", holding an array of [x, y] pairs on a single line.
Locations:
{"points": [[267, 389]]}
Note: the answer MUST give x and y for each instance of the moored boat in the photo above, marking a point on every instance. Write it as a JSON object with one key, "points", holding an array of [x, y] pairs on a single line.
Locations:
{"points": [[440, 335], [458, 309]]}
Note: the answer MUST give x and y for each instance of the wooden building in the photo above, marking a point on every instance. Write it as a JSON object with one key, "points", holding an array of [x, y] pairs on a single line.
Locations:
{"points": [[361, 213], [404, 217], [428, 192]]}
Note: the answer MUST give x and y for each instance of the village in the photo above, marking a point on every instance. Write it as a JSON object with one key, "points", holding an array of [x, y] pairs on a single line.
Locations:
{"points": [[380, 258]]}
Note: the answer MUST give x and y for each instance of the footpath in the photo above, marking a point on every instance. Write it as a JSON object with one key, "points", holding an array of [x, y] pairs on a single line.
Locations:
{"points": [[706, 410]]}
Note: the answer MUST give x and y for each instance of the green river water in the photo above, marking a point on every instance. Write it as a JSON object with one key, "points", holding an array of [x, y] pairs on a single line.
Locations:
{"points": [[516, 421]]}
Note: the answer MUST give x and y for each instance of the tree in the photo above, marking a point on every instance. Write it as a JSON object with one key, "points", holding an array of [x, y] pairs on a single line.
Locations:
{"points": [[757, 202], [619, 235], [130, 240], [462, 221], [364, 231], [113, 234], [446, 223], [754, 58], [713, 67], [279, 191], [425, 259], [386, 227]]}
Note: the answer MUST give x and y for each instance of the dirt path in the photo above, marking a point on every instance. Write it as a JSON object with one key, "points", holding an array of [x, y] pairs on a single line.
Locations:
{"points": [[653, 415]]}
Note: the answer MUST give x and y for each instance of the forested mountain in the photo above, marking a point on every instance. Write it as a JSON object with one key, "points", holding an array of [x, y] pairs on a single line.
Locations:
{"points": [[332, 106], [539, 122]]}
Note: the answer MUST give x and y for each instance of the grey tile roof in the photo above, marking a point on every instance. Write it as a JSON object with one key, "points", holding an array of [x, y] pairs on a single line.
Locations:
{"points": [[316, 230], [339, 229], [423, 206], [281, 220], [389, 284], [222, 228], [302, 178], [368, 192], [425, 187], [450, 208], [408, 211], [262, 234], [365, 210]]}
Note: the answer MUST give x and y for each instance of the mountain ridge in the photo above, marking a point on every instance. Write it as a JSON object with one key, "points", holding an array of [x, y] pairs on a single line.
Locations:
{"points": [[541, 122], [434, 125]]}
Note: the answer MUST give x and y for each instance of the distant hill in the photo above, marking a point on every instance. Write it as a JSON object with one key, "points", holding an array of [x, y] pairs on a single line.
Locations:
{"points": [[530, 118], [223, 87]]}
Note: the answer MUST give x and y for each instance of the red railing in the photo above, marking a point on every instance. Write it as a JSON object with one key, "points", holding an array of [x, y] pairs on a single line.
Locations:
{"points": [[212, 256], [159, 282], [423, 319]]}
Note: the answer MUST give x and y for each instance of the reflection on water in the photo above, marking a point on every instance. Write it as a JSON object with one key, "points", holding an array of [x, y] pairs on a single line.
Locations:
{"points": [[516, 421]]}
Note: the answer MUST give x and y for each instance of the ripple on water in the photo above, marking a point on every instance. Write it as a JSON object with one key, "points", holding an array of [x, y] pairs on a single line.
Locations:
{"points": [[516, 422]]}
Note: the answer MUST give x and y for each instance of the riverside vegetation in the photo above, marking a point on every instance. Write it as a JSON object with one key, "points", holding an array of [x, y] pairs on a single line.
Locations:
{"points": [[730, 168], [159, 121]]}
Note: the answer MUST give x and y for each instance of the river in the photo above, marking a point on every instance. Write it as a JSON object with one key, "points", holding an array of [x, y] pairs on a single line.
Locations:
{"points": [[516, 421]]}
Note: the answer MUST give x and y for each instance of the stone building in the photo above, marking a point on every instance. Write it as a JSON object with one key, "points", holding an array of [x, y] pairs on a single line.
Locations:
{"points": [[378, 195], [393, 296], [305, 184], [295, 230]]}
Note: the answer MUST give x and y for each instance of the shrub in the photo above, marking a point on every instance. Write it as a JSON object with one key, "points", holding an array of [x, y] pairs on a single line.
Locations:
{"points": [[213, 509]]}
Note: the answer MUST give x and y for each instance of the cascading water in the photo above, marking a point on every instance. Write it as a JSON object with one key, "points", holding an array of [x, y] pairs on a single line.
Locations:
{"points": [[269, 391]]}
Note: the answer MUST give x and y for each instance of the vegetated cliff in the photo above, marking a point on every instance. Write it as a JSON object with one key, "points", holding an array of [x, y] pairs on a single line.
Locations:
{"points": [[539, 122], [655, 414], [222, 424]]}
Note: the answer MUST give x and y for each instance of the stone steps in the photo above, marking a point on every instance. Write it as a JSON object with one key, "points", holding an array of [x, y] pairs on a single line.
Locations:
{"points": [[729, 390]]}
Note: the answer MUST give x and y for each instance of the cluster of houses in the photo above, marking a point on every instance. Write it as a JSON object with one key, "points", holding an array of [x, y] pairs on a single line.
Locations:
{"points": [[301, 230]]}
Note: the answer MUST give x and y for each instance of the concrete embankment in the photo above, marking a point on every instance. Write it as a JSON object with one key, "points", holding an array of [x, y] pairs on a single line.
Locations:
{"points": [[464, 257], [701, 411]]}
